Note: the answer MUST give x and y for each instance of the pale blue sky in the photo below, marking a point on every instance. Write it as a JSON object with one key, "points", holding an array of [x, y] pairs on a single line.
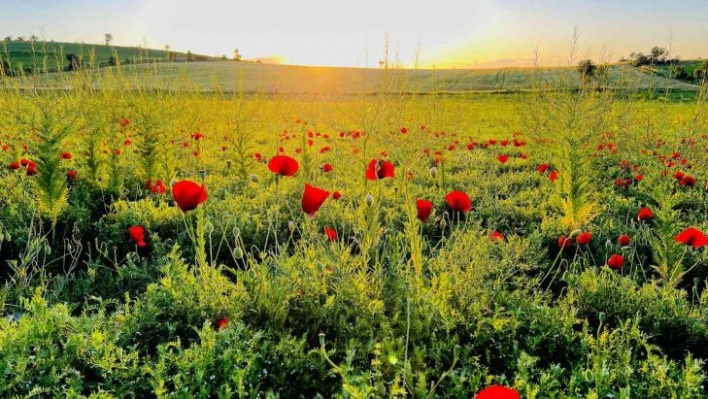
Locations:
{"points": [[481, 33]]}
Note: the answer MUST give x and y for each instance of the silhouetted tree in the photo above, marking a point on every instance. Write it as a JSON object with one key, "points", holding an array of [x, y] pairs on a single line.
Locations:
{"points": [[237, 55], [658, 54], [108, 39], [5, 68], [587, 69], [74, 62]]}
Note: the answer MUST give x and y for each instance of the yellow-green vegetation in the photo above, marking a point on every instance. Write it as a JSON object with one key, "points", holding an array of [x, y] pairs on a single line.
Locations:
{"points": [[123, 280]]}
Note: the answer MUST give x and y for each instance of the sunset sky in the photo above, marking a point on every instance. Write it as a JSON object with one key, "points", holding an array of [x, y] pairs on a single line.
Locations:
{"points": [[445, 33]]}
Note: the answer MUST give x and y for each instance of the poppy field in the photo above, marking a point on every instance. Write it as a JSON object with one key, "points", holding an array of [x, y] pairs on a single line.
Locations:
{"points": [[189, 244]]}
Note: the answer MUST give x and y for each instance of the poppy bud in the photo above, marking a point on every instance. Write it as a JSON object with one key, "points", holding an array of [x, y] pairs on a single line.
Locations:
{"points": [[202, 174], [443, 223], [238, 253], [252, 274], [173, 182], [369, 199], [209, 228], [254, 178], [575, 233], [236, 232], [291, 226], [433, 172]]}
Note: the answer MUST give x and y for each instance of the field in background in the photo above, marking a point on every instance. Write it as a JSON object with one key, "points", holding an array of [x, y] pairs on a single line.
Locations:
{"points": [[300, 80]]}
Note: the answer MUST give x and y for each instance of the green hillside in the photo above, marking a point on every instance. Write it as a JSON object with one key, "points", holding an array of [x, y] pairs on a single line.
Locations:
{"points": [[51, 56]]}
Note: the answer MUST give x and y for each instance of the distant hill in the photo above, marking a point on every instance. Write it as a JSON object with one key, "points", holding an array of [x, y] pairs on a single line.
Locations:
{"points": [[31, 56]]}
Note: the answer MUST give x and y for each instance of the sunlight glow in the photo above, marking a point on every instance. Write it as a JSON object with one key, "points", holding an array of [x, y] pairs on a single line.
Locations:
{"points": [[444, 34]]}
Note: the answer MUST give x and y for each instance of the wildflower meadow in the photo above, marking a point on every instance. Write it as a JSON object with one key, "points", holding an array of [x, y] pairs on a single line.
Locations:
{"points": [[165, 241]]}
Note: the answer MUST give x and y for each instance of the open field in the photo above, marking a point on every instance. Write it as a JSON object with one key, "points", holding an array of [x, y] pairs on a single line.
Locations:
{"points": [[301, 80], [320, 232]]}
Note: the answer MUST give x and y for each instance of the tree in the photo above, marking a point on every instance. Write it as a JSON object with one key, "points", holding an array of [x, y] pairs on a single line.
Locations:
{"points": [[237, 55], [108, 39], [190, 57], [5, 68], [74, 62], [679, 72], [33, 38], [20, 39], [587, 69], [658, 54], [639, 59], [8, 38]]}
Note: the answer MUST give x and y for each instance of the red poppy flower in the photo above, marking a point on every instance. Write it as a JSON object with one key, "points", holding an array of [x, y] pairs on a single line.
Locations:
{"points": [[380, 169], [137, 234], [258, 156], [222, 323], [197, 136], [71, 174], [459, 201], [158, 188], [496, 236], [678, 175], [624, 240], [584, 238], [639, 177], [688, 181], [523, 156], [325, 149], [327, 168], [497, 392], [564, 242], [188, 195], [542, 168], [117, 151], [693, 237], [404, 130], [503, 158], [424, 208], [32, 169], [127, 142], [124, 122], [223, 148], [645, 214], [312, 199], [13, 165], [24, 162], [336, 195], [553, 176], [283, 165], [615, 262], [65, 155], [330, 233]]}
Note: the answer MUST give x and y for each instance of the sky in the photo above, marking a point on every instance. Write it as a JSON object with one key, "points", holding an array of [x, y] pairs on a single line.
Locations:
{"points": [[426, 34]]}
